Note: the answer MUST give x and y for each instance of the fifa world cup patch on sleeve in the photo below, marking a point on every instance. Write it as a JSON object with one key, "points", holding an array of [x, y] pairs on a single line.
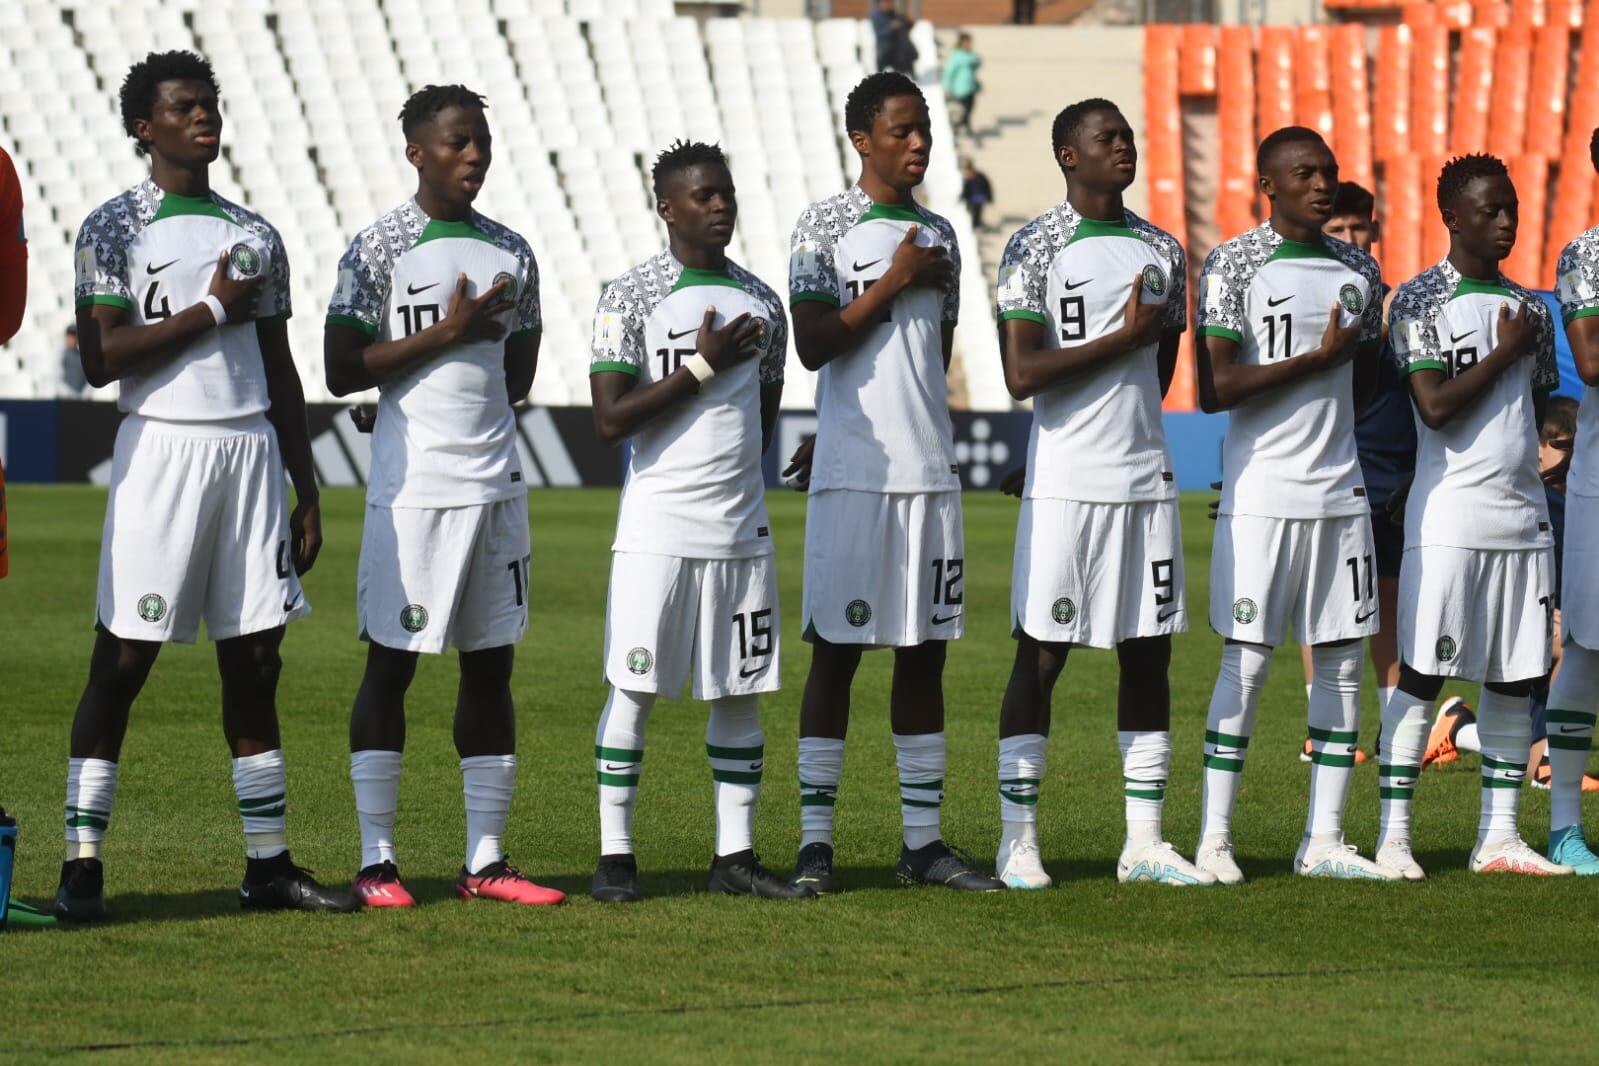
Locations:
{"points": [[803, 259], [1406, 338], [85, 265], [344, 291], [1574, 286], [1215, 293], [1012, 286], [608, 330]]}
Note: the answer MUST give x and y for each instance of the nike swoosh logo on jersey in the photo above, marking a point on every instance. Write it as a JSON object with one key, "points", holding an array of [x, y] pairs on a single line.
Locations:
{"points": [[153, 269], [937, 621], [1080, 284], [1456, 338], [681, 333], [862, 266], [1167, 614], [1273, 303], [412, 290], [1359, 618]]}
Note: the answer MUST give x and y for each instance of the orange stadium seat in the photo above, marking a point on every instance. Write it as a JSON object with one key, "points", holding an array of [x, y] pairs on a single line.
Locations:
{"points": [[1507, 119], [1473, 89], [1163, 136], [1490, 13], [1546, 91], [1274, 79], [1419, 15], [1197, 59], [1401, 219], [1434, 237], [1429, 92], [1235, 134], [1525, 264], [1351, 101], [1391, 112], [1313, 80]]}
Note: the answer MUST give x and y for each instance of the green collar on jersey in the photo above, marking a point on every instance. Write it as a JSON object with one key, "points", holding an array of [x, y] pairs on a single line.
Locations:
{"points": [[896, 212], [173, 205], [437, 229], [1098, 227], [693, 276], [1301, 250], [1468, 286]]}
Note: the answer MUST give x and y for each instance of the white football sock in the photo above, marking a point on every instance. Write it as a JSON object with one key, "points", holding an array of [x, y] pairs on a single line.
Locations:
{"points": [[1572, 703], [1405, 724], [1505, 728], [488, 782], [821, 767], [1468, 738], [375, 773], [736, 747], [618, 761], [1228, 725], [1146, 759], [921, 786], [1334, 726], [1021, 774], [91, 789], [259, 782]]}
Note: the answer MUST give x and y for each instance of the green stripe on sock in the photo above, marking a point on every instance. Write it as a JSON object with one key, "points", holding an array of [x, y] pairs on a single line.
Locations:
{"points": [[932, 786], [85, 821], [618, 754], [1586, 718], [1490, 763], [918, 803], [1500, 782], [1213, 737], [757, 752], [817, 800], [1398, 770], [1327, 758], [1396, 792], [1019, 780], [1570, 743], [1217, 762], [1333, 736], [1144, 793], [1022, 799], [255, 804], [618, 780], [736, 777]]}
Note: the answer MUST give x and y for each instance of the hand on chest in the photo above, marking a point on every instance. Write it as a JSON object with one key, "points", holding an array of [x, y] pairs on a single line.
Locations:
{"points": [[1288, 308], [1092, 283], [425, 281]]}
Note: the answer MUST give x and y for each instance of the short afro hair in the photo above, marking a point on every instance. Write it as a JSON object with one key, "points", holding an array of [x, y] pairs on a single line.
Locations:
{"points": [[144, 78], [1353, 198], [1285, 136], [866, 100], [683, 155], [1462, 170], [428, 101], [1069, 123]]}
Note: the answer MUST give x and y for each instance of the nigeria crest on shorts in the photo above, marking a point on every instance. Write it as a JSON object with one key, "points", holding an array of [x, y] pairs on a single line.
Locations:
{"points": [[245, 260], [1445, 649], [639, 661], [1154, 280], [1064, 609], [413, 618], [1350, 297], [857, 613], [152, 608], [1245, 611]]}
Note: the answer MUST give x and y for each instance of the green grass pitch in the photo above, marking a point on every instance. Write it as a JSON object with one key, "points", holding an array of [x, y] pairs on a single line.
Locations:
{"points": [[1279, 970]]}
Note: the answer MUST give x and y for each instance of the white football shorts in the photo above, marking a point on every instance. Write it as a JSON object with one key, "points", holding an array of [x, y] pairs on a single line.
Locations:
{"points": [[668, 618], [884, 569], [1316, 575], [1479, 614], [197, 526], [1096, 574], [434, 576], [1579, 572]]}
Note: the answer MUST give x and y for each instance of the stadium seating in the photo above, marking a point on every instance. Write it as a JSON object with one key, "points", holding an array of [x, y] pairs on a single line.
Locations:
{"points": [[582, 93]]}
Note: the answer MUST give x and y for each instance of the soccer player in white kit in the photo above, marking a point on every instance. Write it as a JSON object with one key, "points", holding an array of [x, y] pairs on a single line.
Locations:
{"points": [[1574, 698], [874, 291], [1290, 324], [1477, 580], [1092, 300], [437, 308], [183, 298], [687, 364]]}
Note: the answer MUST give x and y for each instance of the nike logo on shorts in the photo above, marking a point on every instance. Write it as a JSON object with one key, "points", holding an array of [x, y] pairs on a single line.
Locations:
{"points": [[290, 605], [937, 621], [1359, 618], [1282, 300], [745, 672], [681, 333], [1167, 614]]}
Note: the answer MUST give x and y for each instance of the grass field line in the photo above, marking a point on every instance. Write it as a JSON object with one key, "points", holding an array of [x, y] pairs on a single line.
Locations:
{"points": [[799, 1003]]}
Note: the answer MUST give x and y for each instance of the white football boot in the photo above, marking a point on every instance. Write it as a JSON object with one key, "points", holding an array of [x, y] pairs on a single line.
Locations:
{"points": [[1514, 856], [1019, 865], [1215, 857], [1158, 862], [1395, 854], [1333, 858]]}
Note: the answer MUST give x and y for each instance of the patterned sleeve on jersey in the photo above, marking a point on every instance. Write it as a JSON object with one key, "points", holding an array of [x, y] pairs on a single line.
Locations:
{"points": [[1371, 314], [274, 302], [618, 332], [1545, 364], [363, 286], [529, 314], [1578, 277], [775, 357], [812, 274], [1413, 324], [952, 295], [1024, 275], [1177, 274], [101, 257], [1221, 294]]}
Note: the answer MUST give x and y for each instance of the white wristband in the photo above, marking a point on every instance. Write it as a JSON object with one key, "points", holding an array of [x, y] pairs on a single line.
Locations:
{"points": [[700, 367], [218, 312]]}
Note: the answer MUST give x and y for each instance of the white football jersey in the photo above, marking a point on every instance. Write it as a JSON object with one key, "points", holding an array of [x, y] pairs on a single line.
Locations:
{"points": [[445, 434], [153, 253], [694, 487], [883, 408], [1290, 452], [1477, 483], [1579, 298], [1098, 437]]}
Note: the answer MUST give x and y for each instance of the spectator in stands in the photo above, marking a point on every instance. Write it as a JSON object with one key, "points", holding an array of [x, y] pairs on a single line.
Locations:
{"points": [[893, 32], [976, 192], [960, 81], [1024, 11], [73, 383]]}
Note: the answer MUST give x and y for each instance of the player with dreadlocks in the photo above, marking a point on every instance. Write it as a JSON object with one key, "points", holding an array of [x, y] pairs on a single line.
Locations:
{"points": [[687, 364], [437, 307]]}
